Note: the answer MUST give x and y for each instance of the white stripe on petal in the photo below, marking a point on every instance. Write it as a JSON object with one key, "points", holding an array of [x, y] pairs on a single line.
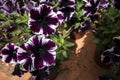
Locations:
{"points": [[4, 57]]}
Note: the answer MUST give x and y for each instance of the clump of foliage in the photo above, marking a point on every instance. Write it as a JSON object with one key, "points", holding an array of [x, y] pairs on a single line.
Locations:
{"points": [[35, 34]]}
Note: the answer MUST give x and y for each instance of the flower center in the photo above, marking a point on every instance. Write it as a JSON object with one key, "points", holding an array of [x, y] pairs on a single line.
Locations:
{"points": [[14, 52], [41, 21], [41, 51]]}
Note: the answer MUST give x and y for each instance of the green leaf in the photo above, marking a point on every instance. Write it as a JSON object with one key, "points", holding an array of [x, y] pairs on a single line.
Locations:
{"points": [[105, 41], [18, 31], [96, 40], [69, 44], [22, 19], [61, 39], [77, 25], [64, 53]]}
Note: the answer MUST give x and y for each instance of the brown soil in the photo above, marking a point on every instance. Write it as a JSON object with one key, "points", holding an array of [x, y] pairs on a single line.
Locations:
{"points": [[79, 66]]}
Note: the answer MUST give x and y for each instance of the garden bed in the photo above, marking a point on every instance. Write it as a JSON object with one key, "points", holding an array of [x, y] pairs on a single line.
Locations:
{"points": [[79, 66], [35, 37]]}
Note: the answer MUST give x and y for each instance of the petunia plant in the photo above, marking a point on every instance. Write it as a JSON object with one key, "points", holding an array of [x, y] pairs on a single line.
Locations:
{"points": [[35, 34], [102, 17], [31, 32]]}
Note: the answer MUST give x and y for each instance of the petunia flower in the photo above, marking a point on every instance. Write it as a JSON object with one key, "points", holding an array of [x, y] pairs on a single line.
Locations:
{"points": [[29, 5], [48, 1], [9, 53], [1, 4], [91, 7], [10, 6], [85, 26], [67, 7], [43, 20], [114, 52], [37, 53], [106, 56], [104, 3], [111, 56], [117, 41], [40, 74], [68, 12], [60, 15]]}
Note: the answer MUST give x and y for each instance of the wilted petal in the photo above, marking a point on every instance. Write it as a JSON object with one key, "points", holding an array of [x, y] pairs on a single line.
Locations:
{"points": [[40, 74], [17, 71]]}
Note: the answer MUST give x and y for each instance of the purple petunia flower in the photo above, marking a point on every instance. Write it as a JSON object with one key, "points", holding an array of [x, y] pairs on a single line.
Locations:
{"points": [[91, 7], [10, 6], [49, 1], [29, 5], [111, 56], [106, 56], [60, 15], [1, 4], [85, 26], [117, 41], [104, 3], [37, 53], [43, 20], [67, 7], [68, 12], [9, 53], [45, 1]]}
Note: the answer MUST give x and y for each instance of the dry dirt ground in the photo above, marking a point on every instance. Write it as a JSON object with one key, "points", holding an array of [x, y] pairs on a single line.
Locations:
{"points": [[79, 66]]}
